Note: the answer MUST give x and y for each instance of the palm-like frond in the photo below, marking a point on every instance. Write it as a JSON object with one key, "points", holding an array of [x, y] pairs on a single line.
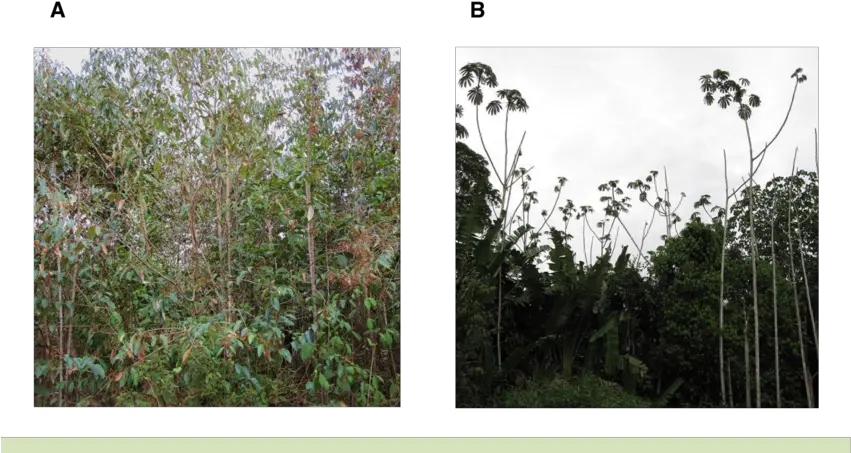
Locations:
{"points": [[475, 95], [494, 107], [744, 112], [478, 73], [720, 74], [706, 84], [461, 131]]}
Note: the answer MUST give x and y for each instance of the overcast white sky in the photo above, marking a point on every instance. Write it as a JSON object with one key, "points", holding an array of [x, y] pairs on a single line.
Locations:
{"points": [[597, 114], [73, 58]]}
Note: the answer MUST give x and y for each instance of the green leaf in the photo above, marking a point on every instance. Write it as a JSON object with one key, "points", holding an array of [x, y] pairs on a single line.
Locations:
{"points": [[97, 370], [285, 353], [323, 382], [384, 259], [240, 277], [256, 385], [260, 348], [342, 260], [306, 351]]}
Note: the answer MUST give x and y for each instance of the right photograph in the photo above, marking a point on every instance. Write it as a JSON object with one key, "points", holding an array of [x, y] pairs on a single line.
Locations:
{"points": [[637, 227]]}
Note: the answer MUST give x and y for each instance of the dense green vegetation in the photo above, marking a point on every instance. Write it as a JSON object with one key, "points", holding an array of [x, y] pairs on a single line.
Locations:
{"points": [[723, 314], [214, 227]]}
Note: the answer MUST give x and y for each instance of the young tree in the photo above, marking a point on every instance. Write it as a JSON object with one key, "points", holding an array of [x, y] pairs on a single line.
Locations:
{"points": [[474, 75]]}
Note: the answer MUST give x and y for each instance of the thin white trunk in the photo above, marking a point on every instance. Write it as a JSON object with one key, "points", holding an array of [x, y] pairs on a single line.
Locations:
{"points": [[751, 208], [721, 296], [747, 364], [776, 336], [795, 290]]}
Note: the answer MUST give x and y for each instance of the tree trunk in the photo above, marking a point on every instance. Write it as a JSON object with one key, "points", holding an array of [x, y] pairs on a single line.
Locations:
{"points": [[747, 364], [721, 296], [667, 206], [776, 336], [753, 267], [311, 253], [61, 321], [807, 286], [227, 226], [797, 308], [730, 384]]}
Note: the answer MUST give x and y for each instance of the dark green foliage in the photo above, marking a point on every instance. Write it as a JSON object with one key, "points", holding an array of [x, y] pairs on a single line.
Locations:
{"points": [[587, 391]]}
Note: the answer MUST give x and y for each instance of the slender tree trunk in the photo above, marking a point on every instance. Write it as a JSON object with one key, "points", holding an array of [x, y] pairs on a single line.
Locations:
{"points": [[776, 336], [311, 251], [730, 384], [747, 364], [795, 294], [721, 292], [227, 226], [61, 321], [219, 228], [506, 222], [69, 346], [807, 287], [801, 250], [310, 241], [667, 205], [751, 208], [193, 234], [499, 324]]}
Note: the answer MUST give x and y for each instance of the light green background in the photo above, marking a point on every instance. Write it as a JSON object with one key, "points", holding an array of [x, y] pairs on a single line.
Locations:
{"points": [[430, 445]]}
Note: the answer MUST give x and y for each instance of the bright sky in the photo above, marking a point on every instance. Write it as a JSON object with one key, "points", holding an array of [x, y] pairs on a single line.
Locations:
{"points": [[74, 58], [597, 114]]}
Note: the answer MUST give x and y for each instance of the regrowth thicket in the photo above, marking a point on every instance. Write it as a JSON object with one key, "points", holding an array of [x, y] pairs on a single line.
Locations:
{"points": [[217, 228]]}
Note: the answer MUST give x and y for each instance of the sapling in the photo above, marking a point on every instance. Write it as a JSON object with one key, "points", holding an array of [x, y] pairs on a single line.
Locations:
{"points": [[474, 75]]}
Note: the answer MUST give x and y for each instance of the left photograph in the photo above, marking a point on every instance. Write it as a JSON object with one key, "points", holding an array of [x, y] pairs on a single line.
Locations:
{"points": [[216, 227]]}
